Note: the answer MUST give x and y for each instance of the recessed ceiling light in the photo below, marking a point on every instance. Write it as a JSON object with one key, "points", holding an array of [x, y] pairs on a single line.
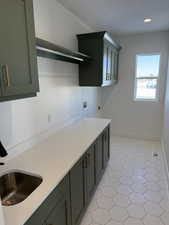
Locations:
{"points": [[147, 20]]}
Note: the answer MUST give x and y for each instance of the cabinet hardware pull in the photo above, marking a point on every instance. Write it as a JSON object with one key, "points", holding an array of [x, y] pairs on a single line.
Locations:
{"points": [[7, 76], [105, 137], [88, 159], [85, 164]]}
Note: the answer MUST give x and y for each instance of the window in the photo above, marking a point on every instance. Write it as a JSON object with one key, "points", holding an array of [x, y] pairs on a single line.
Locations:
{"points": [[147, 77]]}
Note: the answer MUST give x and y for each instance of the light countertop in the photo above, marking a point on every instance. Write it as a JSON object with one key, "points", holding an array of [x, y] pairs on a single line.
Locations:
{"points": [[52, 159]]}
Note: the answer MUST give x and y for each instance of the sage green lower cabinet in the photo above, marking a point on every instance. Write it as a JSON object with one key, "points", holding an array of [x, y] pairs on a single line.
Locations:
{"points": [[58, 214], [55, 209], [86, 174], [66, 205], [106, 146], [91, 172], [99, 158], [78, 190]]}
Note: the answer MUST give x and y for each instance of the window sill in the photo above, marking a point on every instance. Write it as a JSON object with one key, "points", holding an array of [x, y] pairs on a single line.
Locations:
{"points": [[145, 100]]}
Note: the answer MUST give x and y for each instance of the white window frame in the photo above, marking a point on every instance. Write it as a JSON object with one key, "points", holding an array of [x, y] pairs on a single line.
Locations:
{"points": [[158, 79]]}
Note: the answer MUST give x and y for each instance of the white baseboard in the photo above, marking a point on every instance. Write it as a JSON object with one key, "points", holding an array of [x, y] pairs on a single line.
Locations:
{"points": [[135, 137], [165, 160]]}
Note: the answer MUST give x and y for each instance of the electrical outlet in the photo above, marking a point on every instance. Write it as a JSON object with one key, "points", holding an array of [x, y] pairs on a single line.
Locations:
{"points": [[85, 105], [155, 154]]}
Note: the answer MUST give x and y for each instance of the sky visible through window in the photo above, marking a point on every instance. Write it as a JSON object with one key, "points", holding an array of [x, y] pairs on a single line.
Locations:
{"points": [[147, 72], [148, 65]]}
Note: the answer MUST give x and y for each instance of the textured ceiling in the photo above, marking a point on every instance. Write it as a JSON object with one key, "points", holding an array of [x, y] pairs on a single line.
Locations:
{"points": [[121, 16]]}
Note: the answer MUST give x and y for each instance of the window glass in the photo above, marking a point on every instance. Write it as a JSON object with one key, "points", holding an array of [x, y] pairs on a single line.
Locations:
{"points": [[146, 88], [147, 77], [148, 65]]}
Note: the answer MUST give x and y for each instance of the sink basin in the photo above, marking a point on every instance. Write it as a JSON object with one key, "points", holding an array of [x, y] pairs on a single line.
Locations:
{"points": [[15, 187]]}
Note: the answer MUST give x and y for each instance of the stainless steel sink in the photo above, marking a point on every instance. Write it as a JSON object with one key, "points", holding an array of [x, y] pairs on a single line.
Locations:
{"points": [[15, 187]]}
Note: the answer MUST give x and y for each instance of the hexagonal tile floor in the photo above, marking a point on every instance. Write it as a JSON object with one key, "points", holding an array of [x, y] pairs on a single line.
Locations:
{"points": [[133, 190]]}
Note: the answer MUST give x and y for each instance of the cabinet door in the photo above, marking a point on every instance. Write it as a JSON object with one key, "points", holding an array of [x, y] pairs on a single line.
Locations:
{"points": [[58, 215], [90, 171], [18, 60], [113, 55], [116, 64], [99, 158], [108, 63], [106, 147], [55, 209], [78, 190], [0, 86]]}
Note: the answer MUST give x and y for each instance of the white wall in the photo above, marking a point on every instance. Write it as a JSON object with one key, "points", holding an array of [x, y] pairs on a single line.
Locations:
{"points": [[129, 118], [60, 96], [165, 132]]}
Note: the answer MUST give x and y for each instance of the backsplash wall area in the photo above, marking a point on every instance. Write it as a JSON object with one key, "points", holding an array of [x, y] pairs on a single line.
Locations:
{"points": [[60, 100]]}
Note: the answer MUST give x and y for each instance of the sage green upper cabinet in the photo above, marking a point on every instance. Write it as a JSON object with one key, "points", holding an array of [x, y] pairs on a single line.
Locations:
{"points": [[102, 69], [18, 59], [110, 63]]}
